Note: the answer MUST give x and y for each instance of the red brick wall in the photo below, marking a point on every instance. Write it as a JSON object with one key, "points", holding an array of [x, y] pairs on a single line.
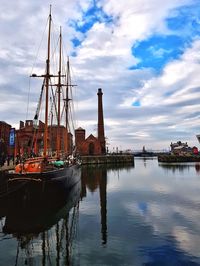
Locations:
{"points": [[79, 138], [53, 140], [24, 137], [5, 133], [91, 146]]}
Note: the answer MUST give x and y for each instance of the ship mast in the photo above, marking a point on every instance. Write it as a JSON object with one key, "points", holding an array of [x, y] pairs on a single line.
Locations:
{"points": [[67, 103], [47, 77], [67, 99], [59, 92]]}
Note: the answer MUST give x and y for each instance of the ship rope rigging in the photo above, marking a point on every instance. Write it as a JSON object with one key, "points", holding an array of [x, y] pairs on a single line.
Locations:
{"points": [[67, 109]]}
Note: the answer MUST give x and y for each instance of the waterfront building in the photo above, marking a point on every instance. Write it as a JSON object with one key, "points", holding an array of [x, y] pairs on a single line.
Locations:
{"points": [[181, 148], [26, 132], [87, 146], [92, 145]]}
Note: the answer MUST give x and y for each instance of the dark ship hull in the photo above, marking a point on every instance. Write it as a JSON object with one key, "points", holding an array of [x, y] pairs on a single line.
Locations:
{"points": [[53, 183], [34, 213], [66, 176]]}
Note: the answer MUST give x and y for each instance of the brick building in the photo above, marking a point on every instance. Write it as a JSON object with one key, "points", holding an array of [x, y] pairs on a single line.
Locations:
{"points": [[87, 146], [24, 137], [29, 138], [92, 145], [4, 137], [64, 142]]}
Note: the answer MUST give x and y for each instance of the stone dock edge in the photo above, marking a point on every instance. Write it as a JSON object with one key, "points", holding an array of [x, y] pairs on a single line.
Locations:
{"points": [[178, 158], [107, 159]]}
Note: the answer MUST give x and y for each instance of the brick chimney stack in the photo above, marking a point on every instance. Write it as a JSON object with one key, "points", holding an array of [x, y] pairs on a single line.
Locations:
{"points": [[101, 136]]}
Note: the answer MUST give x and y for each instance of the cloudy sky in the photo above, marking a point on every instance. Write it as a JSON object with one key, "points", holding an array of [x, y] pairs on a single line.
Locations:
{"points": [[144, 54]]}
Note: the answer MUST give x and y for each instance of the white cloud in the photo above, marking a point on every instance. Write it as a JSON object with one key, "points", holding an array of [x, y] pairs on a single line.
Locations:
{"points": [[103, 60]]}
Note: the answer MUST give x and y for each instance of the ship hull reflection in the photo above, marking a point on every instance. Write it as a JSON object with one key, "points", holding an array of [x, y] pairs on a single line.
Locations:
{"points": [[35, 210]]}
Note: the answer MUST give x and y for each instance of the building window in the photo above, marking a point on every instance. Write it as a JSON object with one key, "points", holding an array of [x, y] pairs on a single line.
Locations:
{"points": [[91, 148]]}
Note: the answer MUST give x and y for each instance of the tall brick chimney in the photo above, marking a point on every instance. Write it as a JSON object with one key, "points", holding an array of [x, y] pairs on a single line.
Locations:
{"points": [[101, 136]]}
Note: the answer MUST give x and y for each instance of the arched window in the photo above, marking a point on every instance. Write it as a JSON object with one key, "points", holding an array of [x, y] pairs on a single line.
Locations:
{"points": [[91, 148]]}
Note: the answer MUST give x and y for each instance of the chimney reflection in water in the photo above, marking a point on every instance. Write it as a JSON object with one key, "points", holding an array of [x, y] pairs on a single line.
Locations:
{"points": [[94, 178]]}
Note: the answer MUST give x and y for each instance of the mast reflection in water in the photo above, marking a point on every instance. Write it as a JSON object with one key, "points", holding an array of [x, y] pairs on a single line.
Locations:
{"points": [[39, 228], [142, 214]]}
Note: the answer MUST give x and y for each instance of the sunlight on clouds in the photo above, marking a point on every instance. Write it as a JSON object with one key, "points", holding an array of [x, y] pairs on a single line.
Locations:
{"points": [[188, 109], [186, 66], [85, 5], [86, 123], [128, 102], [175, 72], [112, 122], [4, 53], [88, 104], [158, 119], [177, 77], [139, 135]]}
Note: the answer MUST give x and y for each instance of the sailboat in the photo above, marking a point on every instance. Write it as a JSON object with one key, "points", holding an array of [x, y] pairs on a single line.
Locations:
{"points": [[63, 169]]}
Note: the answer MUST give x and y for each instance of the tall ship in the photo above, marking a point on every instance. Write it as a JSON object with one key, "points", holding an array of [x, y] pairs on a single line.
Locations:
{"points": [[61, 167]]}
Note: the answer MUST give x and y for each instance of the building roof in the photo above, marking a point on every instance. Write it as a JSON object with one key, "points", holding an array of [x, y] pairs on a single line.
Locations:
{"points": [[80, 128], [91, 137], [3, 122]]}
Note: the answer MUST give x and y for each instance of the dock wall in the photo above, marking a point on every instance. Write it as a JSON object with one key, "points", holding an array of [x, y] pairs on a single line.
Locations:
{"points": [[178, 158], [107, 159]]}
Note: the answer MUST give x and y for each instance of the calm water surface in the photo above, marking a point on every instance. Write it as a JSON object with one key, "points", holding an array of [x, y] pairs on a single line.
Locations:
{"points": [[146, 214]]}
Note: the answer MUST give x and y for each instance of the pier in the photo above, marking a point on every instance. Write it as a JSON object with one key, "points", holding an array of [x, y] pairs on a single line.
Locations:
{"points": [[107, 159], [170, 158]]}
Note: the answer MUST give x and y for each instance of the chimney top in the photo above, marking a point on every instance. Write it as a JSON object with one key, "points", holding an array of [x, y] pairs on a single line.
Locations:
{"points": [[99, 91]]}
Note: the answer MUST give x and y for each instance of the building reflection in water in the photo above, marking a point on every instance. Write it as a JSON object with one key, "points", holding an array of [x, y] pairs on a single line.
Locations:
{"points": [[94, 177], [181, 167], [197, 167]]}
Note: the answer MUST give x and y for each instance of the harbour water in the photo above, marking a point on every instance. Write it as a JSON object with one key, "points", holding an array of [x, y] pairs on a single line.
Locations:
{"points": [[142, 214]]}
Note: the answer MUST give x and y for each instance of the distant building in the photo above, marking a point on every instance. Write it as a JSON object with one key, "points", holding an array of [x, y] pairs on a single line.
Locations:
{"points": [[195, 150], [181, 148]]}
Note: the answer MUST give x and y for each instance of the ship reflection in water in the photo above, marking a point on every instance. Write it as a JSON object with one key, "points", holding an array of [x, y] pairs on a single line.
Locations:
{"points": [[40, 225], [142, 214]]}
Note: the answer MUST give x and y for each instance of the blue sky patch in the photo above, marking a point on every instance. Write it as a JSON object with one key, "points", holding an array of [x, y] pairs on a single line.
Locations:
{"points": [[136, 103], [186, 21], [169, 93], [93, 15], [157, 51], [76, 42]]}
